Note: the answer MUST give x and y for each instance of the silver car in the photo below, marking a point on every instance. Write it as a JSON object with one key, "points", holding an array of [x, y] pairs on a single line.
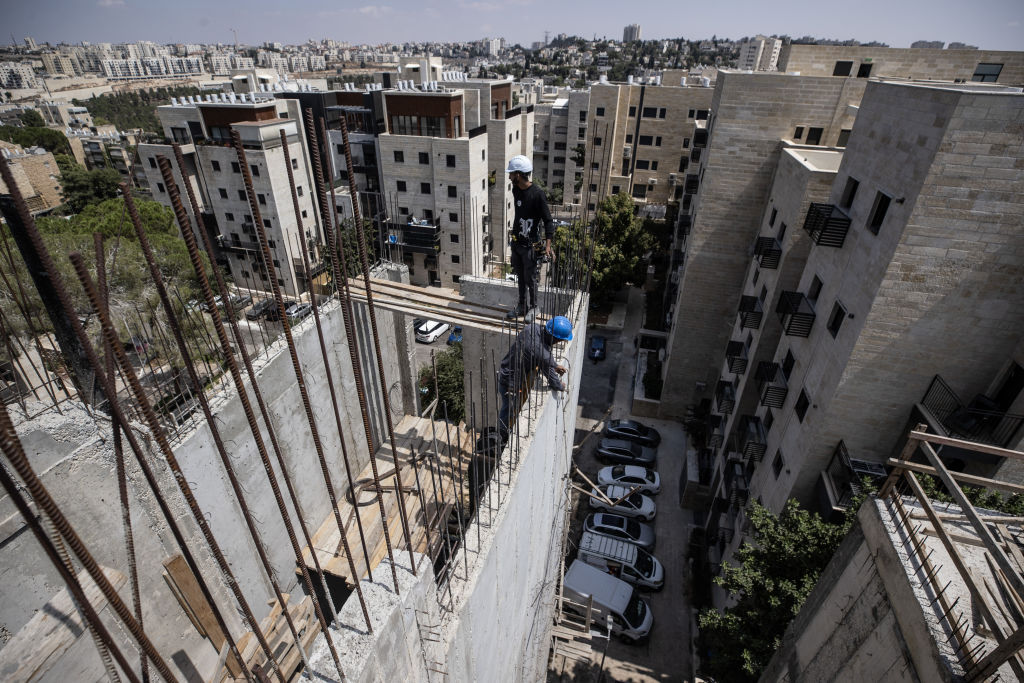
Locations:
{"points": [[626, 503], [622, 528], [645, 480]]}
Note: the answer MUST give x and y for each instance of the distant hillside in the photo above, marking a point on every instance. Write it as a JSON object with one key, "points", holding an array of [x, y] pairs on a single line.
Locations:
{"points": [[136, 109]]}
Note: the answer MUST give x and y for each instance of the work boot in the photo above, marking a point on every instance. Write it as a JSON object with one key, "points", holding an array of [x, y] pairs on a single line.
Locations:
{"points": [[516, 312], [531, 314]]}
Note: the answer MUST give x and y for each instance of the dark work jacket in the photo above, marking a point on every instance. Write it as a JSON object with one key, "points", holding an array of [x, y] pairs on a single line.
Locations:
{"points": [[531, 350], [531, 212]]}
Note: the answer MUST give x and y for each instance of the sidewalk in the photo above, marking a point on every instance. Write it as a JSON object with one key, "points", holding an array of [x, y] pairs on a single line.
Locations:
{"points": [[634, 320]]}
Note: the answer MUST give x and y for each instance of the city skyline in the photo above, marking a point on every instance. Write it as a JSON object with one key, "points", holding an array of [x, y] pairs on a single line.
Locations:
{"points": [[997, 27]]}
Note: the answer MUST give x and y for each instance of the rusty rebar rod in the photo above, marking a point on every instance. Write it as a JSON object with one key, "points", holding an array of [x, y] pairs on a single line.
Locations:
{"points": [[403, 513], [218, 442]]}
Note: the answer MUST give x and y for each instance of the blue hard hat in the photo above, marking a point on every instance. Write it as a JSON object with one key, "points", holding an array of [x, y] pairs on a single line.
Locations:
{"points": [[559, 327]]}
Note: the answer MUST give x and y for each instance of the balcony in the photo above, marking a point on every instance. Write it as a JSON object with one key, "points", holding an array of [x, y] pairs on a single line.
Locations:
{"points": [[751, 438], [772, 386], [796, 314], [240, 247], [768, 252], [685, 223], [980, 421], [843, 481], [736, 357], [750, 312], [692, 183], [725, 397], [736, 484], [715, 431], [827, 225], [695, 155], [700, 137], [420, 237], [696, 487]]}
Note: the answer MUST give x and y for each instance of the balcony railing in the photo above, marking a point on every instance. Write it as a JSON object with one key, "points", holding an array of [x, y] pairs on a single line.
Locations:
{"points": [[705, 466], [422, 237], [846, 475], [752, 438], [700, 137], [979, 421], [796, 314], [685, 223], [827, 225], [772, 386], [715, 431], [695, 155], [238, 246], [736, 484], [692, 183], [750, 312], [736, 357], [768, 251], [725, 397]]}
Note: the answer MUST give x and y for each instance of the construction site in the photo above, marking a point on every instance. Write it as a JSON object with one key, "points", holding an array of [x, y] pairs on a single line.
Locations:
{"points": [[275, 502]]}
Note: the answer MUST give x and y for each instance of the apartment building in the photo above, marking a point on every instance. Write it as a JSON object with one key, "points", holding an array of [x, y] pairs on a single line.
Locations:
{"points": [[987, 66], [881, 294], [60, 64], [560, 137], [64, 114], [204, 128], [434, 184], [17, 75], [759, 54], [631, 33], [36, 176]]}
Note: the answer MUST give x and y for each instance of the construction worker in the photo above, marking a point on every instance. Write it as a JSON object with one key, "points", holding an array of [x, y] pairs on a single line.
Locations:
{"points": [[527, 243], [531, 349]]}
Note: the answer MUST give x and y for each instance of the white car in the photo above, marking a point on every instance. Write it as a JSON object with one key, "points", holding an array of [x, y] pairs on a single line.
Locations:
{"points": [[630, 476], [429, 331], [632, 504]]}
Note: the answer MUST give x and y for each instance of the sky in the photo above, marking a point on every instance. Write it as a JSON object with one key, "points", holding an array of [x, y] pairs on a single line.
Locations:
{"points": [[989, 24]]}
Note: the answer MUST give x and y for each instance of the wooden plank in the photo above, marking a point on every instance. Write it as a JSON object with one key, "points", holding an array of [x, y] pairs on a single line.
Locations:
{"points": [[968, 445], [177, 572], [41, 642], [959, 476]]}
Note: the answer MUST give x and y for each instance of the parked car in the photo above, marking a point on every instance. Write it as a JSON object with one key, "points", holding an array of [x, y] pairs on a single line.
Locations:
{"points": [[272, 312], [430, 330], [218, 300], [455, 336], [623, 560], [631, 430], [596, 351], [620, 527], [619, 452], [240, 301], [260, 308], [607, 596], [297, 313], [635, 505], [630, 476]]}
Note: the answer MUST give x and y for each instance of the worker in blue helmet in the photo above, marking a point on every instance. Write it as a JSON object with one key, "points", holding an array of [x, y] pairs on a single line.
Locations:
{"points": [[532, 230], [531, 350]]}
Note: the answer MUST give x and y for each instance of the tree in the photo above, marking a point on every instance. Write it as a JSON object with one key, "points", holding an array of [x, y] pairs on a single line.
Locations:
{"points": [[30, 118], [82, 187], [47, 138], [449, 383], [774, 576]]}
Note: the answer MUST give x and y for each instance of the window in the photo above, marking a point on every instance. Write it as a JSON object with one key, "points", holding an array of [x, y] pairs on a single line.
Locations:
{"points": [[815, 289], [594, 165], [788, 363], [266, 224], [152, 162], [455, 258], [643, 164], [255, 170], [600, 111], [295, 163], [702, 114], [878, 211], [428, 214], [160, 186], [340, 147], [686, 143], [456, 278], [849, 192], [690, 114], [510, 138], [842, 69], [684, 162], [424, 188], [223, 193], [987, 73], [230, 217], [757, 276], [771, 221], [453, 191], [304, 214], [581, 133], [654, 165], [424, 158], [835, 321], [844, 137], [769, 419], [632, 111], [662, 112], [814, 136], [639, 191], [782, 231], [646, 140], [483, 155], [399, 156], [235, 168], [629, 139], [401, 185], [593, 187], [798, 133], [241, 195], [864, 70], [597, 142], [650, 112], [403, 211], [778, 463], [215, 164], [450, 160], [583, 117], [454, 237], [801, 405], [764, 293], [262, 199], [657, 141], [615, 189]]}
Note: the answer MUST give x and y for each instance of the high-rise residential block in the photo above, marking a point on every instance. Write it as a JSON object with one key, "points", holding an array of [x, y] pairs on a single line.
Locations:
{"points": [[631, 33]]}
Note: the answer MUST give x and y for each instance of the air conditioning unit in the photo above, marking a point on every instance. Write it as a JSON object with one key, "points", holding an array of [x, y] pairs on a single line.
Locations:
{"points": [[627, 150], [652, 181], [673, 178]]}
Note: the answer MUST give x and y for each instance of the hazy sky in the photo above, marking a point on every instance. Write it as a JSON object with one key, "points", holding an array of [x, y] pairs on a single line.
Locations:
{"points": [[990, 24]]}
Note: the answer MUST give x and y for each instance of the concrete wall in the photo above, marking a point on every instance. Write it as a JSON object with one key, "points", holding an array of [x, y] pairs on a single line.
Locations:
{"points": [[73, 455]]}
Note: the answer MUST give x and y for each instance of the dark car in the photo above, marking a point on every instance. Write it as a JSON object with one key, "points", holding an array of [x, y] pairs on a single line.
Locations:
{"points": [[618, 452], [240, 301], [455, 336], [623, 528], [596, 351], [260, 309], [272, 312], [631, 430]]}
